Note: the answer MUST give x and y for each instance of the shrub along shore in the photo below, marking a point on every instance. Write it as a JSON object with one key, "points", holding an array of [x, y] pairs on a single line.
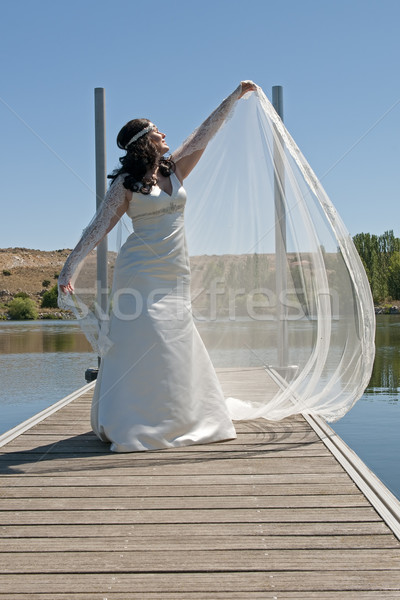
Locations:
{"points": [[23, 308]]}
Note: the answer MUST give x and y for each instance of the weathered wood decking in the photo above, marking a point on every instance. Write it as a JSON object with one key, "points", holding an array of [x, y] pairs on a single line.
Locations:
{"points": [[269, 515]]}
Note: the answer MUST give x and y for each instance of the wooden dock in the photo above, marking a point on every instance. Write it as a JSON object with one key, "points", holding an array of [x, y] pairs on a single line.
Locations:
{"points": [[273, 514]]}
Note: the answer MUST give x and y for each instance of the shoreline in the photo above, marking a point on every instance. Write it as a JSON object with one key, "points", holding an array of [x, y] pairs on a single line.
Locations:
{"points": [[387, 309], [60, 315]]}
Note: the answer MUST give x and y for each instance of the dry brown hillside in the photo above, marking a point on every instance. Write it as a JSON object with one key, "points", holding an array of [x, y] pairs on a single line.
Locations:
{"points": [[35, 271], [30, 271], [24, 270]]}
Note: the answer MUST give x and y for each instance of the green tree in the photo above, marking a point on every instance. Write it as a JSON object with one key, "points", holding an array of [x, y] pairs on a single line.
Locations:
{"points": [[378, 278], [364, 244], [378, 257], [22, 309], [49, 299], [394, 276]]}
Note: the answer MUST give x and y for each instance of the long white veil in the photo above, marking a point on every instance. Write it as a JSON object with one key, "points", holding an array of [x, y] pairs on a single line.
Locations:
{"points": [[276, 280], [277, 285]]}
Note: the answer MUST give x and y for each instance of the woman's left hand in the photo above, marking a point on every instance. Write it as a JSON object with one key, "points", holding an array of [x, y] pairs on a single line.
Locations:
{"points": [[247, 86], [67, 288]]}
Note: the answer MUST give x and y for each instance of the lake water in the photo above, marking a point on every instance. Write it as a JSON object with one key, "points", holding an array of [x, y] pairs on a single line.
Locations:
{"points": [[43, 361], [40, 363]]}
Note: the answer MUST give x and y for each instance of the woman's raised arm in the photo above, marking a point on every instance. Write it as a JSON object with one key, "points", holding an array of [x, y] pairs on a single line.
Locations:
{"points": [[188, 154]]}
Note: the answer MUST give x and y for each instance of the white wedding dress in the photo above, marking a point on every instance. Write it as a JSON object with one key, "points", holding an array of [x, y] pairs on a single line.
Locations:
{"points": [[156, 387]]}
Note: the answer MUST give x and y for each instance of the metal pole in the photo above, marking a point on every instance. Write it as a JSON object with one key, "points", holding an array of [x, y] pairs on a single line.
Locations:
{"points": [[280, 239], [101, 188]]}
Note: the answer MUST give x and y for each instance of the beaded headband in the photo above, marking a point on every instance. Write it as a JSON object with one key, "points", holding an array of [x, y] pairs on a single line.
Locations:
{"points": [[139, 135]]}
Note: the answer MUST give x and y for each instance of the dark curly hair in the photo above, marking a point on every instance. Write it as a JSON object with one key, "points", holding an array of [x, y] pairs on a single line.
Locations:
{"points": [[140, 156]]}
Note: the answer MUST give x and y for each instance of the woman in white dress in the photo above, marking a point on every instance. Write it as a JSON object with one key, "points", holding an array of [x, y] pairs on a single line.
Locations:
{"points": [[156, 386]]}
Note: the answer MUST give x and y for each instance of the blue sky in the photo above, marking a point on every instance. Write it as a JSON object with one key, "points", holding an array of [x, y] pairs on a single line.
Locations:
{"points": [[174, 62]]}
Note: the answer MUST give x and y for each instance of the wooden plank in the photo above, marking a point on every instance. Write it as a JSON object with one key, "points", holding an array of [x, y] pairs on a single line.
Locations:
{"points": [[221, 541], [126, 464], [242, 451], [308, 595], [155, 491], [89, 439], [211, 516], [184, 560], [82, 428], [207, 583], [250, 595], [67, 479], [158, 530], [183, 502], [68, 445]]}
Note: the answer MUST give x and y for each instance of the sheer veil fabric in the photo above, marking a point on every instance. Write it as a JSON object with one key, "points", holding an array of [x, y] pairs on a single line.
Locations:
{"points": [[276, 282]]}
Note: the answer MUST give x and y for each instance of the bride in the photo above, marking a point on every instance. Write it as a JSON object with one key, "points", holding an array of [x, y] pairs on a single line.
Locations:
{"points": [[156, 386]]}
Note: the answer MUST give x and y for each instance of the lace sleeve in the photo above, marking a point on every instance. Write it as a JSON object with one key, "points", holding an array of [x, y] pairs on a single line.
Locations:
{"points": [[106, 217], [201, 136]]}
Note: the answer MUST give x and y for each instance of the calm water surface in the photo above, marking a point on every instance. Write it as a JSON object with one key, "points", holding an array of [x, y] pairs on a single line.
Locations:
{"points": [[40, 363], [43, 361], [372, 427]]}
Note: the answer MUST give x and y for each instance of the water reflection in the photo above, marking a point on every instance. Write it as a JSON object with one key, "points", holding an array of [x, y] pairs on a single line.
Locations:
{"points": [[42, 336], [40, 363], [386, 371], [242, 343]]}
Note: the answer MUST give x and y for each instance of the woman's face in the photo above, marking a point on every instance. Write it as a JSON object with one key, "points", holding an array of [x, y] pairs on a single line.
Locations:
{"points": [[158, 140]]}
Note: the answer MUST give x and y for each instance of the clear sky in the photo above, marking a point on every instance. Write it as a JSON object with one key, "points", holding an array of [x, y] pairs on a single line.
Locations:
{"points": [[173, 62]]}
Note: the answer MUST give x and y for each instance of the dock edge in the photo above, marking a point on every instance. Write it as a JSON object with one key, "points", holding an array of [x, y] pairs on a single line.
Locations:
{"points": [[40, 416], [381, 498]]}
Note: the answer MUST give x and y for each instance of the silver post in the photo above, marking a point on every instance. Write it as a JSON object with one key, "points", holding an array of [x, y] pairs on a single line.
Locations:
{"points": [[101, 187], [280, 240]]}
